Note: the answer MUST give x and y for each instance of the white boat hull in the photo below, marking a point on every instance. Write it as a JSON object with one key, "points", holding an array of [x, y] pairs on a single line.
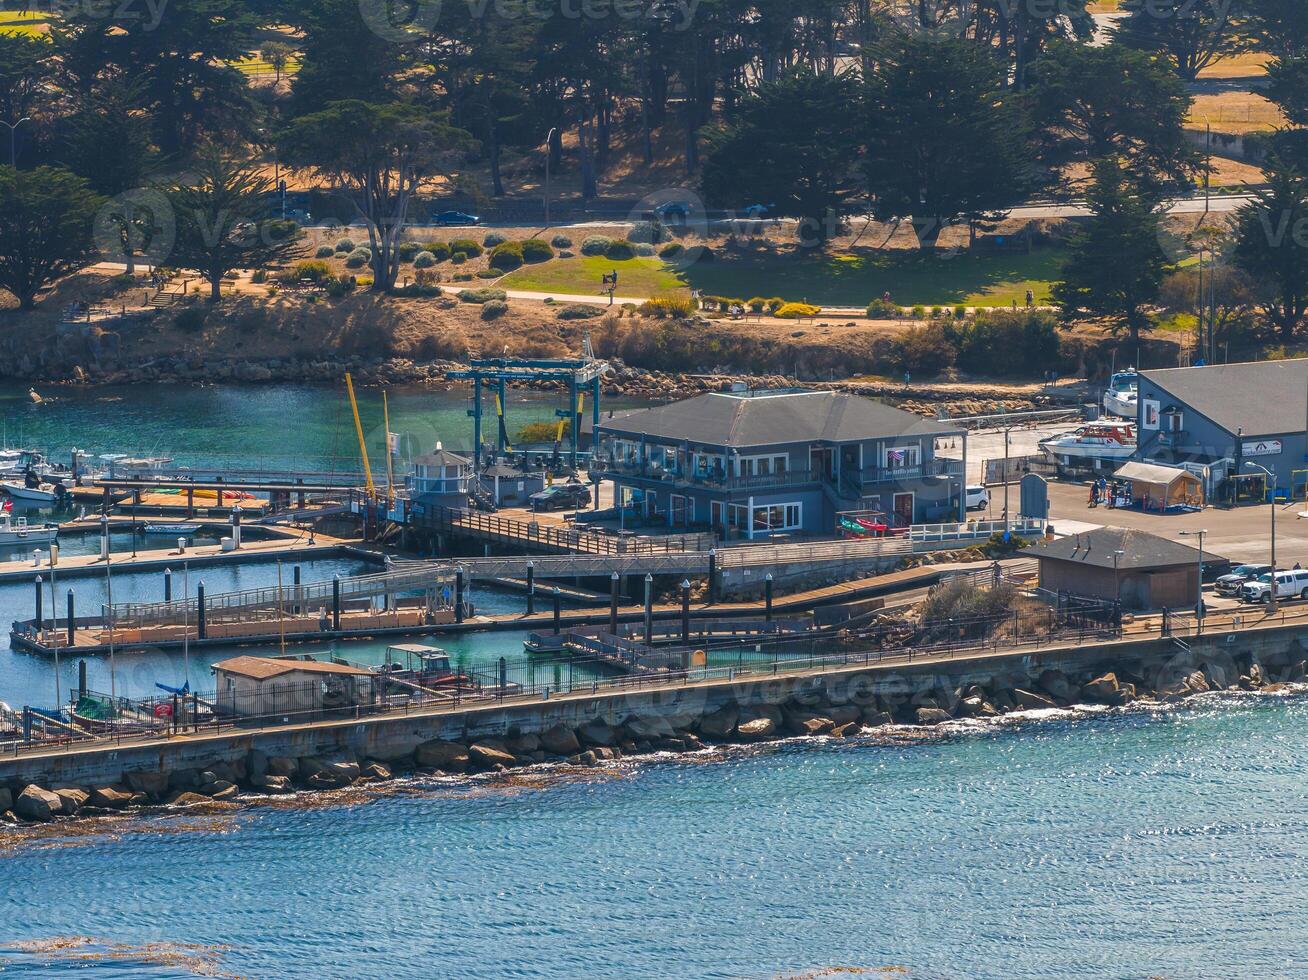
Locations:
{"points": [[1071, 454], [1121, 405], [35, 494], [33, 535]]}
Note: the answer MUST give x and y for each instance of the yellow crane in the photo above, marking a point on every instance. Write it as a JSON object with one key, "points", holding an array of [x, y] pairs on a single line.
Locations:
{"points": [[358, 430]]}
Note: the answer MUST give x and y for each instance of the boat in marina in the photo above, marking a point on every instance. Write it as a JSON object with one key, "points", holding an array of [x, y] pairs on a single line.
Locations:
{"points": [[1121, 397], [1093, 444], [173, 529], [17, 530], [41, 493]]}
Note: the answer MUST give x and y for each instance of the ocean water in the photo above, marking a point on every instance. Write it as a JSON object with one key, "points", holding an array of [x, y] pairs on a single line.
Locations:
{"points": [[1114, 844], [1102, 844]]}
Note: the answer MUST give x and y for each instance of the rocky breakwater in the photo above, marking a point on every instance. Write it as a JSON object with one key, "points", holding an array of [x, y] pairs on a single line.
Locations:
{"points": [[847, 706]]}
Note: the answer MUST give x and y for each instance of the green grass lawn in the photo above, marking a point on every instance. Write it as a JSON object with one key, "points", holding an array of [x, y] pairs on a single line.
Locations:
{"points": [[850, 279], [15, 22]]}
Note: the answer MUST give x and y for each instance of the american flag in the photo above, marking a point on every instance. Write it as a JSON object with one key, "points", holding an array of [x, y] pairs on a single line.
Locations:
{"points": [[896, 457]]}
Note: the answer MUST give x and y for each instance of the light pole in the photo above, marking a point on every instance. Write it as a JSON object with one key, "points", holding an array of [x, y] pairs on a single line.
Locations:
{"points": [[13, 146], [549, 151], [1271, 499], [1199, 602], [1117, 582]]}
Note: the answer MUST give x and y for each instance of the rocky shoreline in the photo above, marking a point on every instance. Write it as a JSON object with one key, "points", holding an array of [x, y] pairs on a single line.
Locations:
{"points": [[600, 741]]}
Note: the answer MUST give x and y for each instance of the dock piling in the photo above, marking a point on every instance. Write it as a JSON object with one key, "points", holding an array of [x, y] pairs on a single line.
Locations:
{"points": [[40, 608], [615, 583], [558, 612], [713, 576], [168, 585], [458, 594], [649, 609], [336, 602], [201, 630], [72, 620], [767, 596], [81, 679], [531, 588], [685, 612]]}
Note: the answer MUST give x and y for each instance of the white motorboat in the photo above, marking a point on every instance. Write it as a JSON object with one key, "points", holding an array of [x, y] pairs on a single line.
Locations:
{"points": [[42, 494], [177, 530], [1093, 443], [16, 530], [1121, 397]]}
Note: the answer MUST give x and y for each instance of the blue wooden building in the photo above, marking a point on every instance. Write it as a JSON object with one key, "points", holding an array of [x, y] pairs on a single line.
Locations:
{"points": [[753, 464]]}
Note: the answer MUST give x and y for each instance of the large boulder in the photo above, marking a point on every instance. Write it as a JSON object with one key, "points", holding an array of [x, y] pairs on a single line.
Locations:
{"points": [[221, 790], [187, 798], [649, 727], [152, 784], [808, 724], [443, 755], [73, 798], [37, 804], [932, 716], [874, 717], [275, 784], [1056, 685], [256, 765], [560, 740], [523, 745], [489, 753], [1106, 688], [110, 797], [756, 728], [721, 723], [317, 773], [844, 714], [1030, 701], [6, 799], [375, 772], [183, 779], [597, 732], [282, 766]]}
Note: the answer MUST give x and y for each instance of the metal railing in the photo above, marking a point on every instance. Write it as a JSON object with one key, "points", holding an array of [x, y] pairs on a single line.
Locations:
{"points": [[531, 533]]}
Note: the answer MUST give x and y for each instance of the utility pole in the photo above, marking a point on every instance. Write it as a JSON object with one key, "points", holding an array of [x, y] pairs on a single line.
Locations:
{"points": [[13, 145], [549, 151]]}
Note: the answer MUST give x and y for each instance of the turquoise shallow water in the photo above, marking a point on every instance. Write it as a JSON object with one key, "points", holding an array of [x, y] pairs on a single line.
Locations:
{"points": [[1119, 845], [1107, 845]]}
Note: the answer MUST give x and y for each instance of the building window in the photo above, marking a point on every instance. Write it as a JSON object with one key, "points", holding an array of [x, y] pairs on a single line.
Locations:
{"points": [[737, 516], [772, 464], [778, 517]]}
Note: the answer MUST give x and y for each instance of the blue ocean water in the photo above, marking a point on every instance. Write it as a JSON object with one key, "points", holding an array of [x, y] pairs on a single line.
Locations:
{"points": [[1111, 845]]}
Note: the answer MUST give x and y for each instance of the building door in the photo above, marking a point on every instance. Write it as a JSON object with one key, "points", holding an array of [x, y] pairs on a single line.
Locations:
{"points": [[718, 515], [821, 463], [903, 509]]}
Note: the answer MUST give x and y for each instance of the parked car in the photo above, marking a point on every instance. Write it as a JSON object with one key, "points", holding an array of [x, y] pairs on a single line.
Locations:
{"points": [[672, 212], [1229, 584], [561, 496], [978, 498], [1291, 584], [450, 219]]}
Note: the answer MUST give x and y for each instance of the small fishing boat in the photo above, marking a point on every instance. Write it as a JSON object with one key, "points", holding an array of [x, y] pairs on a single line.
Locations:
{"points": [[42, 493], [423, 669], [173, 529], [16, 530], [1121, 397], [1093, 444]]}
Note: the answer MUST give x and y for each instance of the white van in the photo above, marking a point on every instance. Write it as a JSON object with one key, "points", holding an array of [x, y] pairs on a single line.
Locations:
{"points": [[978, 498], [1291, 584]]}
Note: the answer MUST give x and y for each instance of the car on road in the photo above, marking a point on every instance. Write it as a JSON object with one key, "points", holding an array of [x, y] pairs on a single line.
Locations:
{"points": [[1230, 583], [978, 498], [1292, 584], [561, 496], [672, 212], [452, 219]]}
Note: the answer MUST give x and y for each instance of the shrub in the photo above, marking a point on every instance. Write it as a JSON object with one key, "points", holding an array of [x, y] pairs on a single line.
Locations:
{"points": [[926, 350], [757, 305], [494, 238], [999, 342], [494, 309], [458, 258], [484, 295], [424, 260], [565, 254], [425, 277], [935, 312], [960, 312], [191, 320], [313, 269], [344, 245], [796, 311], [324, 252], [488, 274], [648, 233], [596, 245], [338, 286], [259, 276], [561, 241], [774, 304], [580, 311], [536, 250], [671, 250], [439, 250], [668, 305], [408, 251], [506, 256], [620, 251], [463, 277], [644, 250], [918, 312], [252, 321], [881, 309], [417, 289], [465, 246], [358, 258]]}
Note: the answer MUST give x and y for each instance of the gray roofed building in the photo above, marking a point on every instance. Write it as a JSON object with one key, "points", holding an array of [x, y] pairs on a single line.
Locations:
{"points": [[1264, 398], [1140, 549], [768, 418], [1139, 569]]}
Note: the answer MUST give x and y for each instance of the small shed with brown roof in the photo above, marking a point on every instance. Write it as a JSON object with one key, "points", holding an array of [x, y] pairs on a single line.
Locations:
{"points": [[288, 687], [1162, 487], [1146, 571]]}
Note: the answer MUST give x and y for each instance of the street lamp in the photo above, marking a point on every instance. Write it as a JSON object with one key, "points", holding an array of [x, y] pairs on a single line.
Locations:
{"points": [[1271, 498], [13, 154], [1117, 582], [1199, 602]]}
